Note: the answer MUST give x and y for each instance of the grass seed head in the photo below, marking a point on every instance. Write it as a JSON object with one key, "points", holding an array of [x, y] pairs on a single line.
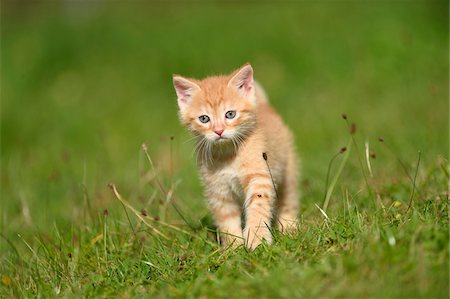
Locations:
{"points": [[353, 128]]}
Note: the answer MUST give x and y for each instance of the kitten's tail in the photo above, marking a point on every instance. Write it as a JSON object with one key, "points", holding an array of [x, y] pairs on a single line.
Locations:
{"points": [[261, 95]]}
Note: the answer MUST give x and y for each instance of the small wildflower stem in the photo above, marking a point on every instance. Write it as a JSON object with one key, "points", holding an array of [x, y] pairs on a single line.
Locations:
{"points": [[161, 187], [128, 217], [87, 201], [336, 177], [352, 131], [178, 210], [405, 169], [414, 182], [125, 203], [328, 174], [163, 209], [143, 219], [264, 155], [270, 172]]}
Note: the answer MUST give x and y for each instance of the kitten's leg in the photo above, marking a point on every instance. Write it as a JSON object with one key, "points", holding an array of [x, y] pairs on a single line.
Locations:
{"points": [[288, 203], [227, 215], [258, 207]]}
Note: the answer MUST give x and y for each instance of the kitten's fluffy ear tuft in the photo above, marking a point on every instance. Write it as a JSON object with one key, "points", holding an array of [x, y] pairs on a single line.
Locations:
{"points": [[242, 80], [185, 90]]}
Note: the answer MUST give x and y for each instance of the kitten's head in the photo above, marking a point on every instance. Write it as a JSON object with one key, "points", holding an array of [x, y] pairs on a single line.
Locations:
{"points": [[220, 108]]}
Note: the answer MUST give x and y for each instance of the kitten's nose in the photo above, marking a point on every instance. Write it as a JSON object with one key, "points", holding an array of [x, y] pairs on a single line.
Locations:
{"points": [[218, 131]]}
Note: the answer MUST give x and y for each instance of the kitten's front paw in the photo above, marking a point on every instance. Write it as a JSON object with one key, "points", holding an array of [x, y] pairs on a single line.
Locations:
{"points": [[254, 237], [231, 241]]}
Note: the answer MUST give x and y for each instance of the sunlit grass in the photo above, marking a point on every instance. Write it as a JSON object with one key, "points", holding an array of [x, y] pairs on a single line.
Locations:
{"points": [[84, 87]]}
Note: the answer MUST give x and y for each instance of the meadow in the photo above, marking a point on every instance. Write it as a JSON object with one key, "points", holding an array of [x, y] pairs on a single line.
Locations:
{"points": [[88, 211]]}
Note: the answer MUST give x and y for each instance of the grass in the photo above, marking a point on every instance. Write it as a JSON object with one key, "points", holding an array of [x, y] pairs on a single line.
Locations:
{"points": [[85, 84]]}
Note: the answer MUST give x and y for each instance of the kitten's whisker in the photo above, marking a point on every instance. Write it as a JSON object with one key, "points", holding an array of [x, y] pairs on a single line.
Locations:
{"points": [[197, 146], [194, 150], [191, 138], [238, 140], [234, 144], [240, 137], [200, 149], [210, 152], [204, 150]]}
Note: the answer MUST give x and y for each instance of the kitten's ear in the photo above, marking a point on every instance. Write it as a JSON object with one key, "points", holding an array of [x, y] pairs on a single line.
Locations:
{"points": [[242, 80], [185, 89]]}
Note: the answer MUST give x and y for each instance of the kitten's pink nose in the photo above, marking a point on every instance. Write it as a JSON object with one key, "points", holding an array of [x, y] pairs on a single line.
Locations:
{"points": [[218, 131]]}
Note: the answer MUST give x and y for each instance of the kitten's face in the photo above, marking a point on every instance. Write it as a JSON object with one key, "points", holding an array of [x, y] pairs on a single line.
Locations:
{"points": [[219, 109]]}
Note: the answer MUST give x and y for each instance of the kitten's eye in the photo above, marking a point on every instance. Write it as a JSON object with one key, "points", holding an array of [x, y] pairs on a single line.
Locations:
{"points": [[204, 118], [230, 114]]}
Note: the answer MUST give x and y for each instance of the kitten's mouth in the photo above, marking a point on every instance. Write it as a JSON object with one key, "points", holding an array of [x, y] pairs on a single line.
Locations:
{"points": [[221, 139]]}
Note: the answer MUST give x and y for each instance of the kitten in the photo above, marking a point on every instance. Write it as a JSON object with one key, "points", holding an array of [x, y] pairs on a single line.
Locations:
{"points": [[234, 125]]}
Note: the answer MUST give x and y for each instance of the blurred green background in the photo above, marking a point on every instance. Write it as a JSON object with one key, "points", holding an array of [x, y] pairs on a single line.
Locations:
{"points": [[85, 83]]}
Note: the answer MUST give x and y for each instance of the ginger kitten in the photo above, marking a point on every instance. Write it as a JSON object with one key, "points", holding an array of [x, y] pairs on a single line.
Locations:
{"points": [[234, 125]]}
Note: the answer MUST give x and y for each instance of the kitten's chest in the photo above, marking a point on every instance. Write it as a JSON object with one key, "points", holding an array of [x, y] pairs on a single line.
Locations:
{"points": [[226, 178]]}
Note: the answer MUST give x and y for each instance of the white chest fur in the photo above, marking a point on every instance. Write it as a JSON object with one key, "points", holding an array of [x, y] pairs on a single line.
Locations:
{"points": [[225, 181]]}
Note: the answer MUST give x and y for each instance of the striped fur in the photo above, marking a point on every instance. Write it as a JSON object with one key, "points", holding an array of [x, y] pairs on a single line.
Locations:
{"points": [[238, 180]]}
